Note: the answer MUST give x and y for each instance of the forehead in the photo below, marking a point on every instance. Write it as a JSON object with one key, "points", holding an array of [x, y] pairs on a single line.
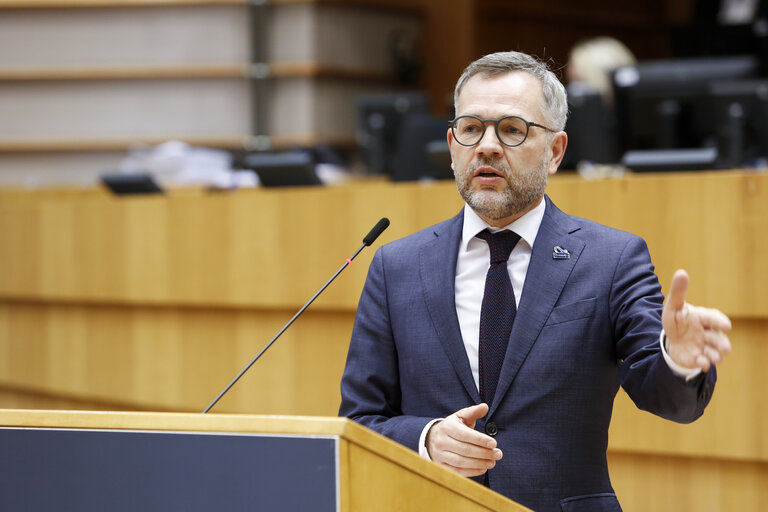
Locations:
{"points": [[516, 92]]}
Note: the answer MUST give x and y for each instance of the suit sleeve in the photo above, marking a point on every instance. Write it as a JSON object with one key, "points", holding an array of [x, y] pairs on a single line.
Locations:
{"points": [[636, 304], [370, 385]]}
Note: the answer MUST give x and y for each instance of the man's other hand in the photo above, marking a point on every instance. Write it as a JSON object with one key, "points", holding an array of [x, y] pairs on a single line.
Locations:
{"points": [[455, 444], [696, 335]]}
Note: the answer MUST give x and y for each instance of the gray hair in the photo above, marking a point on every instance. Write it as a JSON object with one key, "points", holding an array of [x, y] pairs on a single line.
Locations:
{"points": [[555, 109]]}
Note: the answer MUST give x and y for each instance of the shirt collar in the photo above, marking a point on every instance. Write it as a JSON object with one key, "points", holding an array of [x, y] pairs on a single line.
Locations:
{"points": [[526, 226]]}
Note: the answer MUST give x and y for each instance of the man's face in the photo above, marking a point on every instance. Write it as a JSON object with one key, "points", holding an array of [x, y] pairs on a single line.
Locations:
{"points": [[499, 182]]}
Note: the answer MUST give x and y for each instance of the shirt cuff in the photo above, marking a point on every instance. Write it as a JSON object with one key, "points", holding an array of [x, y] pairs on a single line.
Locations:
{"points": [[680, 371], [423, 439]]}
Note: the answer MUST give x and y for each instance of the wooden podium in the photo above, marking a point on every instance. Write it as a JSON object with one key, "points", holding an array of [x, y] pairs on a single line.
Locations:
{"points": [[76, 460]]}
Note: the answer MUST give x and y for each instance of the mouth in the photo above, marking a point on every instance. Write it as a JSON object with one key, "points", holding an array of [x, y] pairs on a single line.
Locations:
{"points": [[486, 172]]}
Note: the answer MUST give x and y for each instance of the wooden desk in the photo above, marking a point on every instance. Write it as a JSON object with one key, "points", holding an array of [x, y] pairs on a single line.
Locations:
{"points": [[76, 460]]}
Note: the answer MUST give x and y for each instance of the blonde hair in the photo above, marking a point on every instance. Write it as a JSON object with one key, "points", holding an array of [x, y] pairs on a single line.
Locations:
{"points": [[593, 60]]}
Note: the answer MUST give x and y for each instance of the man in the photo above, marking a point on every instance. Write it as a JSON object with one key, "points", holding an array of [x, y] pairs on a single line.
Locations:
{"points": [[527, 415]]}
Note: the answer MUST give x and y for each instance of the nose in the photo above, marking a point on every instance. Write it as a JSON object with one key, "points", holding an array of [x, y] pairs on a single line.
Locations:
{"points": [[489, 144]]}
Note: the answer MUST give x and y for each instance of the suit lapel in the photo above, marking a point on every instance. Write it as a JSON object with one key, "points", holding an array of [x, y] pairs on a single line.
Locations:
{"points": [[544, 283], [437, 267]]}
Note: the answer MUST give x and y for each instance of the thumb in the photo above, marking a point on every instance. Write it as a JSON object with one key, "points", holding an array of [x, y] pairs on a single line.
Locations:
{"points": [[677, 290], [469, 415]]}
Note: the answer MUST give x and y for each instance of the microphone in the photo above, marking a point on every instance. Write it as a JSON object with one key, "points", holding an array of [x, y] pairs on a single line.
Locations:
{"points": [[371, 237], [374, 233]]}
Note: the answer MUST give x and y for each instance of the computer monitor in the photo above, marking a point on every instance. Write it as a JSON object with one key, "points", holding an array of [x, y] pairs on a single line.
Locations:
{"points": [[410, 157], [659, 103], [290, 169], [739, 121], [591, 129], [380, 120], [439, 154]]}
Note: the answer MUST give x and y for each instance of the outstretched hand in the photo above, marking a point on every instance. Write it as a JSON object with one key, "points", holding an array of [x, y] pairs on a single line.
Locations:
{"points": [[696, 335], [455, 444]]}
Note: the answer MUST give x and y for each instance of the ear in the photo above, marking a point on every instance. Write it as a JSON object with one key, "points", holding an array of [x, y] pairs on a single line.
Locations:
{"points": [[558, 145], [449, 136]]}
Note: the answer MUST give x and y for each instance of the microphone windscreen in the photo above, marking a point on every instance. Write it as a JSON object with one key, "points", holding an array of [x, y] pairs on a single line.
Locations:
{"points": [[376, 231]]}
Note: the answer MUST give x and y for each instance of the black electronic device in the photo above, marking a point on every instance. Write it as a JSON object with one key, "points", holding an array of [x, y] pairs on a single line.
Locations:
{"points": [[739, 114], [439, 154], [380, 120], [130, 183], [665, 160], [410, 158], [290, 169], [663, 104], [591, 129]]}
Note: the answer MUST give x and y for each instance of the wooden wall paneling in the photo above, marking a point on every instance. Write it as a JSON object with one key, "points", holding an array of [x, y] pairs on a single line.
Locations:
{"points": [[690, 222], [734, 425], [20, 225], [653, 482], [258, 252], [21, 398], [174, 358], [186, 241]]}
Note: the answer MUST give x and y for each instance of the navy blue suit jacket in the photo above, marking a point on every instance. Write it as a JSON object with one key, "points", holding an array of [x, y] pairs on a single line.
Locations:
{"points": [[584, 326]]}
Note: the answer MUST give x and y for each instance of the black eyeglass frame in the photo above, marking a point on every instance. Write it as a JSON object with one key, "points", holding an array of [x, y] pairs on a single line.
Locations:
{"points": [[496, 122]]}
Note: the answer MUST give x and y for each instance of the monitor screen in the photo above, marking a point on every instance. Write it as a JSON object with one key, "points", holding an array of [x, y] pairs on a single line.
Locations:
{"points": [[410, 157], [380, 121], [283, 169], [663, 104], [739, 121], [591, 129]]}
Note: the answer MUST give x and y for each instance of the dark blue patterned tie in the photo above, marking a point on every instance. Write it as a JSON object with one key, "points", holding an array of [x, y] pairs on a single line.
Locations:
{"points": [[498, 311]]}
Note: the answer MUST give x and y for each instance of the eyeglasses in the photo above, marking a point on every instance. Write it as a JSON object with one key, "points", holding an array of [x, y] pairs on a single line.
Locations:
{"points": [[510, 130]]}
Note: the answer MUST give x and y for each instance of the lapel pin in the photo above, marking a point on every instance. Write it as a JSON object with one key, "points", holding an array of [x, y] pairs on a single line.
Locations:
{"points": [[558, 253]]}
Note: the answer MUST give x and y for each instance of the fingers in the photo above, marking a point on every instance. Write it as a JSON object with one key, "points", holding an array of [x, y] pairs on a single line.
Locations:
{"points": [[677, 290], [467, 471], [716, 345], [717, 341], [714, 319], [712, 343], [455, 444], [467, 460], [710, 348], [461, 433], [470, 415], [703, 362], [697, 336]]}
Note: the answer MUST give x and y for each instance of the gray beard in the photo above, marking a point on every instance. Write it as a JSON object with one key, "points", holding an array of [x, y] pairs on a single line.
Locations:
{"points": [[524, 188]]}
